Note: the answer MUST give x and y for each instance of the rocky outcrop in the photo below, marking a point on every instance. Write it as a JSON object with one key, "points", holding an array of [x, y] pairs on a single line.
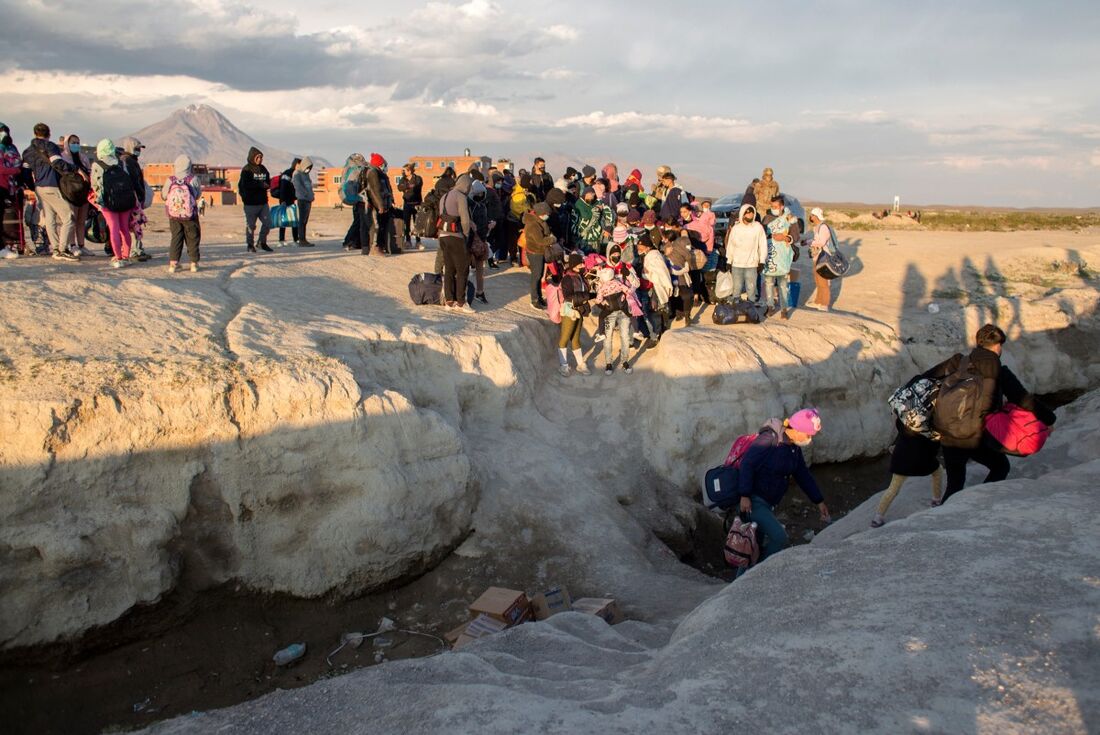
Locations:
{"points": [[975, 617]]}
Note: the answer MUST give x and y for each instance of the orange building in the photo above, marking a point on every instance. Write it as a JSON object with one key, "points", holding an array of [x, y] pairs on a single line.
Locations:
{"points": [[218, 182], [430, 168]]}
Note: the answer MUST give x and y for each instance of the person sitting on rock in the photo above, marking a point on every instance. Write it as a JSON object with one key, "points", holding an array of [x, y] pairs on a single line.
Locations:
{"points": [[766, 470]]}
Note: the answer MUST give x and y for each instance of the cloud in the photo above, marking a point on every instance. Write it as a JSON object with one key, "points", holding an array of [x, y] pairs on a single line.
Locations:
{"points": [[659, 124]]}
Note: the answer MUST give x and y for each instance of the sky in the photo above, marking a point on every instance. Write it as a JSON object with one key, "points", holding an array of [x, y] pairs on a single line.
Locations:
{"points": [[965, 102]]}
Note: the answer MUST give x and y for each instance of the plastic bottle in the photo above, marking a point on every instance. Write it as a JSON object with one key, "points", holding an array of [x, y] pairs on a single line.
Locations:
{"points": [[290, 654]]}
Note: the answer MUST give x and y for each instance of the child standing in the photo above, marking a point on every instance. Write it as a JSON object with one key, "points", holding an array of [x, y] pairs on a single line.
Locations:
{"points": [[574, 308], [620, 305], [181, 194], [115, 198]]}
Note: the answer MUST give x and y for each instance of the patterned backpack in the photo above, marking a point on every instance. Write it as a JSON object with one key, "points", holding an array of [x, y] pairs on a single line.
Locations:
{"points": [[914, 404], [179, 199], [742, 549]]}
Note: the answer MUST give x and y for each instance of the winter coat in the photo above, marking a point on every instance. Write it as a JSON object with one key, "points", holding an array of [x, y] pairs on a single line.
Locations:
{"points": [[656, 272], [766, 470], [412, 189], [11, 163], [520, 203], [746, 245], [302, 181], [456, 203], [285, 194], [680, 258], [914, 455], [541, 184], [702, 223], [376, 190], [254, 181], [537, 233], [670, 207], [43, 158], [105, 158], [479, 216], [130, 165], [590, 222], [763, 191], [493, 206]]}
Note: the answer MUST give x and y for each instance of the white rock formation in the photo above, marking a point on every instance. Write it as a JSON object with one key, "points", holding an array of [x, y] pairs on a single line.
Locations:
{"points": [[291, 423], [976, 617]]}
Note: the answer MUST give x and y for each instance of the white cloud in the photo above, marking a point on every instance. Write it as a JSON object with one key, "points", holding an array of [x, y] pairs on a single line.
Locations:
{"points": [[691, 127]]}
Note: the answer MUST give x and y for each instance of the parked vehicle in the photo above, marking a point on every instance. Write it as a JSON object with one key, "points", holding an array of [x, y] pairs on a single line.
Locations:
{"points": [[731, 204]]}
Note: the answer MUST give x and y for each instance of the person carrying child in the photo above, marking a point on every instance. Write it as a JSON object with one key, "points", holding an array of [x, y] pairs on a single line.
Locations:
{"points": [[620, 304]]}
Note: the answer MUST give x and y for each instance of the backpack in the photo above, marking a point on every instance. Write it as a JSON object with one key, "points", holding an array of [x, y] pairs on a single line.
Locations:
{"points": [[914, 403], [1017, 431], [426, 222], [742, 549], [95, 228], [831, 263], [74, 188], [720, 487], [737, 312], [737, 452], [958, 413], [118, 189], [451, 224], [426, 289], [179, 199], [349, 186]]}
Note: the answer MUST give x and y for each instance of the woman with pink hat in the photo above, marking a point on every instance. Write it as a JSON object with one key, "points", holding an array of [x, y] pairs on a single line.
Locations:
{"points": [[765, 472]]}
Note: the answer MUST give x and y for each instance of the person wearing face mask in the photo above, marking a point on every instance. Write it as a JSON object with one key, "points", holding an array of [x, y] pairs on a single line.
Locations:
{"points": [[302, 180], [115, 199], [131, 149], [494, 210], [657, 285], [70, 153], [479, 219], [285, 195], [778, 223], [610, 173], [539, 238], [746, 250], [766, 470], [541, 182], [455, 231], [10, 195], [593, 222]]}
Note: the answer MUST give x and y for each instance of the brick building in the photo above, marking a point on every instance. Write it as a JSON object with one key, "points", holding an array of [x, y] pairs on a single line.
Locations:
{"points": [[218, 182], [430, 168]]}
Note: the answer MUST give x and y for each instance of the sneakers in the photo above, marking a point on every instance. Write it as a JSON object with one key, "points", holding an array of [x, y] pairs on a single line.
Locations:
{"points": [[481, 297], [251, 248], [420, 245], [466, 309], [64, 255], [582, 369], [638, 336], [652, 343], [265, 248], [194, 267], [563, 370], [142, 256], [878, 521], [116, 263], [8, 254], [627, 369], [493, 264], [305, 244], [609, 370], [85, 252], [172, 268], [599, 337]]}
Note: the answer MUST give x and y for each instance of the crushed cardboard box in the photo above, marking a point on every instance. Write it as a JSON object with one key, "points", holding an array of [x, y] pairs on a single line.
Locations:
{"points": [[507, 606], [551, 602], [601, 607]]}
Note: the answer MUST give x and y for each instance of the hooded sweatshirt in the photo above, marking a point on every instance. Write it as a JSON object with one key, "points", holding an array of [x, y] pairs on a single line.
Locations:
{"points": [[302, 180], [129, 161], [702, 223], [181, 170], [254, 181], [456, 203], [746, 245], [611, 173], [76, 160], [105, 157], [537, 230]]}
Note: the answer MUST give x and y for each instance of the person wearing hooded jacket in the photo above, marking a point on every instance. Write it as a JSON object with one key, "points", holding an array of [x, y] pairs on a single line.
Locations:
{"points": [[766, 470], [411, 186], [43, 158], [454, 234], [378, 194], [302, 182], [286, 197], [70, 152], [541, 181], [253, 187], [359, 231], [184, 230], [118, 223], [655, 272], [130, 151], [11, 165], [746, 249], [537, 233]]}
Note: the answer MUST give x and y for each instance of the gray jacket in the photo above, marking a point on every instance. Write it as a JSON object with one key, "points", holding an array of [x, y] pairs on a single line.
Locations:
{"points": [[303, 184], [456, 204]]}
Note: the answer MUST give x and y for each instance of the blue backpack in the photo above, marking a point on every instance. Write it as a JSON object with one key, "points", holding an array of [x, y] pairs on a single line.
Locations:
{"points": [[349, 188]]}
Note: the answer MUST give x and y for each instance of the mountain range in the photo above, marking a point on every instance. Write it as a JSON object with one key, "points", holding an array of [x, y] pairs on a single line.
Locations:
{"points": [[208, 137]]}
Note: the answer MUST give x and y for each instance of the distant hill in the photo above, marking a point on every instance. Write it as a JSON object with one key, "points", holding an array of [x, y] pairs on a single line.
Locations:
{"points": [[207, 136]]}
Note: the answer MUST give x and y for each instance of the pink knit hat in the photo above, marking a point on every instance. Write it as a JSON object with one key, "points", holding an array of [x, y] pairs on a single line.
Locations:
{"points": [[808, 421]]}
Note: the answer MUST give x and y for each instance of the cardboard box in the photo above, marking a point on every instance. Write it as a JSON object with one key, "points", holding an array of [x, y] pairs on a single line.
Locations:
{"points": [[551, 602], [484, 625], [601, 607], [452, 636], [507, 606], [463, 640]]}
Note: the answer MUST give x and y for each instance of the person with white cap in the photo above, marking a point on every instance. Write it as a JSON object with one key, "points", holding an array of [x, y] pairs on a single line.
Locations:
{"points": [[822, 242], [766, 470]]}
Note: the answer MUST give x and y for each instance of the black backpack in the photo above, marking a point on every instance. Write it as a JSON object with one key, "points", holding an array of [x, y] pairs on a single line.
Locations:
{"points": [[74, 188], [965, 396], [739, 311], [426, 289], [118, 189], [426, 222]]}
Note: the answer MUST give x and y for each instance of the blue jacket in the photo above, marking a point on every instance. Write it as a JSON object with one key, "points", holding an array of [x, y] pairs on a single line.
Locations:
{"points": [[767, 467], [43, 158]]}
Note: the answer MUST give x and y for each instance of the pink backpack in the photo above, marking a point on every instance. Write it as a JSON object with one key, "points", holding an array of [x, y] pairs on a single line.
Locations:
{"points": [[1017, 430], [179, 199], [554, 298], [740, 445], [742, 550]]}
